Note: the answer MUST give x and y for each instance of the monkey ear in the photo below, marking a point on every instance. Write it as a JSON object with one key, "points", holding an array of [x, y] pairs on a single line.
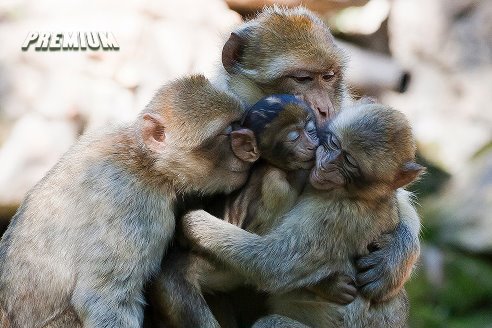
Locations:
{"points": [[153, 132], [243, 143], [407, 174], [232, 52]]}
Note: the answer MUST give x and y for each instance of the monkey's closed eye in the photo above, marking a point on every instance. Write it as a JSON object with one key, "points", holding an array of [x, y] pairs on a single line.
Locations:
{"points": [[350, 160], [333, 141], [310, 126], [302, 79], [328, 75], [293, 136]]}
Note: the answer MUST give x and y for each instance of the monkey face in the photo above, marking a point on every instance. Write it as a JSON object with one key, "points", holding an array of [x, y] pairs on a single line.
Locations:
{"points": [[367, 150], [318, 88], [298, 146], [289, 51], [286, 131], [335, 167]]}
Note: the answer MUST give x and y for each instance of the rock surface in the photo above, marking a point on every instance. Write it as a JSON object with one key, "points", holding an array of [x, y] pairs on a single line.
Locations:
{"points": [[447, 47]]}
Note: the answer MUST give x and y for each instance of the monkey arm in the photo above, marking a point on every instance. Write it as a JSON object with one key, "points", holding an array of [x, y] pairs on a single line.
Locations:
{"points": [[279, 261], [383, 272]]}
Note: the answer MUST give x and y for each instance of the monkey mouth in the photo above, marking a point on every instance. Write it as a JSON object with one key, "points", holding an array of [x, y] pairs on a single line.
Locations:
{"points": [[315, 180], [320, 182]]}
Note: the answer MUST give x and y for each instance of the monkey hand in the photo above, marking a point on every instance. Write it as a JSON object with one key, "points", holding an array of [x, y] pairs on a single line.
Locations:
{"points": [[337, 288], [382, 273]]}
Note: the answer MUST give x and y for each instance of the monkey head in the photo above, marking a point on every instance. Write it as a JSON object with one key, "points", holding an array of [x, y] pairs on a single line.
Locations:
{"points": [[289, 51], [367, 152], [285, 130], [187, 128]]}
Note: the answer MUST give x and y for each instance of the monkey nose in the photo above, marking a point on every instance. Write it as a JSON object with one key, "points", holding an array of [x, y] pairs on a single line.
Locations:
{"points": [[323, 114], [322, 111]]}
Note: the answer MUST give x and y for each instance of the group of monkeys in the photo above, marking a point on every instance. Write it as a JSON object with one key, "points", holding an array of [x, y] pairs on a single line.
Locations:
{"points": [[306, 180]]}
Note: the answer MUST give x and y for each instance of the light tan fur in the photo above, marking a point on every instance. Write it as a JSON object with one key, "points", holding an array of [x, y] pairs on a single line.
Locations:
{"points": [[93, 231]]}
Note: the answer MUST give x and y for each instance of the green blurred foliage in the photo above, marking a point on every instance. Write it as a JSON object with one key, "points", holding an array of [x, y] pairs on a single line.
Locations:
{"points": [[462, 300]]}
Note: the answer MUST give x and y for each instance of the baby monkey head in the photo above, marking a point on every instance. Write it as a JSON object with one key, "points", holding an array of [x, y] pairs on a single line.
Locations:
{"points": [[366, 152], [285, 129]]}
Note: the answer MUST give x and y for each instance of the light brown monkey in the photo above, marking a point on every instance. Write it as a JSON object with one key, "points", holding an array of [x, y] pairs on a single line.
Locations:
{"points": [[285, 130], [91, 233], [366, 154], [292, 51]]}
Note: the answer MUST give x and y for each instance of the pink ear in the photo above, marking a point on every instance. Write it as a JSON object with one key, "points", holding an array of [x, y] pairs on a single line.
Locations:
{"points": [[243, 144], [153, 132], [408, 173]]}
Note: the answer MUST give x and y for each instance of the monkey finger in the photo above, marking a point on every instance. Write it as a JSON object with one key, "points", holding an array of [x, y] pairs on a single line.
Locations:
{"points": [[351, 290], [373, 290], [367, 262], [368, 276], [348, 280], [345, 299]]}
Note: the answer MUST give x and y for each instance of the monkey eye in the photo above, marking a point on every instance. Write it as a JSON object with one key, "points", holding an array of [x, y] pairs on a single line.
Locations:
{"points": [[293, 136], [328, 75], [350, 160], [334, 143], [302, 79], [310, 126]]}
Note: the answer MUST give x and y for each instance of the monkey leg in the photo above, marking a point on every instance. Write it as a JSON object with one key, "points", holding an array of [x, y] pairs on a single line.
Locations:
{"points": [[277, 321], [176, 293]]}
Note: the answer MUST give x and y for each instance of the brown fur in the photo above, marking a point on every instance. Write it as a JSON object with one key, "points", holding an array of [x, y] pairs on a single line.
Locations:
{"points": [[260, 58], [264, 54], [177, 291], [91, 233], [326, 229]]}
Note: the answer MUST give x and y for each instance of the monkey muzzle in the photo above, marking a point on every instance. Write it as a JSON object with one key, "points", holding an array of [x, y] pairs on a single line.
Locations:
{"points": [[326, 174]]}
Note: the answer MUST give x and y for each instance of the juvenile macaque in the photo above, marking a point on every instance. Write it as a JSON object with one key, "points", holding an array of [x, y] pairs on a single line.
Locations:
{"points": [[366, 154], [286, 135], [91, 233], [292, 51]]}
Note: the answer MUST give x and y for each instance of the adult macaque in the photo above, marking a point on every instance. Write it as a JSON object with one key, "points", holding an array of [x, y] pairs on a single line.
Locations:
{"points": [[292, 51], [91, 233], [366, 154], [286, 135]]}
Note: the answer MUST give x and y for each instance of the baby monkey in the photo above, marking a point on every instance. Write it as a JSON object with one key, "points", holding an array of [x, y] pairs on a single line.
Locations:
{"points": [[366, 153], [286, 135]]}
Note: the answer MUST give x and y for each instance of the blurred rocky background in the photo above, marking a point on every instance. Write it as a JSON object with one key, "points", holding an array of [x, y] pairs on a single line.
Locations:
{"points": [[432, 59]]}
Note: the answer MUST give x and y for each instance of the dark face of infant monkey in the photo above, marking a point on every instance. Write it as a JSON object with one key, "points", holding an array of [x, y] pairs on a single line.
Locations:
{"points": [[285, 128]]}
